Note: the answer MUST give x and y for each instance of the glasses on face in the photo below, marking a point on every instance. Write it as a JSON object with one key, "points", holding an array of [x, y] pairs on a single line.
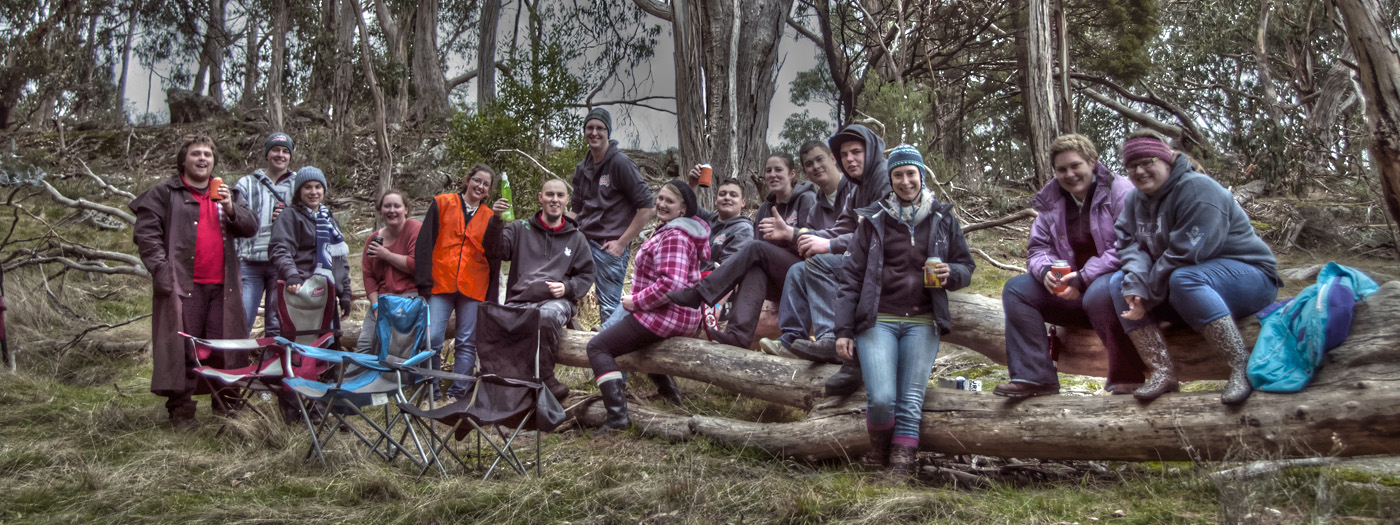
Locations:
{"points": [[595, 129], [1140, 165]]}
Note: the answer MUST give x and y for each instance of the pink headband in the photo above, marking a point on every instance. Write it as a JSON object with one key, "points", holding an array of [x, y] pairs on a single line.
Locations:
{"points": [[1145, 147]]}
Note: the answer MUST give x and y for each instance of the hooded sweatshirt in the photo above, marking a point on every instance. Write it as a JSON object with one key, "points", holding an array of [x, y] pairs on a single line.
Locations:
{"points": [[668, 261], [607, 194], [795, 212], [1192, 219], [540, 255], [866, 188], [263, 194], [727, 237]]}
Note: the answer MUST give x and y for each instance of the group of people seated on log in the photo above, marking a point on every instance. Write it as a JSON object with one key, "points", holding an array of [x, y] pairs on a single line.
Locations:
{"points": [[860, 258]]}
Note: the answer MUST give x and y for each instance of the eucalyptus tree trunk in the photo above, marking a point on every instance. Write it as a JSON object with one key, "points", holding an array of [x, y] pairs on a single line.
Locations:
{"points": [[119, 104], [249, 100], [344, 81], [726, 52], [381, 130], [275, 72], [1038, 91], [486, 53], [396, 48], [431, 104], [1378, 62]]}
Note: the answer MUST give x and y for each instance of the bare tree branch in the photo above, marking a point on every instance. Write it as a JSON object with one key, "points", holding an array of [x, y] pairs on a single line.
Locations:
{"points": [[104, 183], [469, 75], [656, 8], [1027, 213], [96, 267], [1132, 114], [797, 26], [85, 204], [537, 163], [996, 263]]}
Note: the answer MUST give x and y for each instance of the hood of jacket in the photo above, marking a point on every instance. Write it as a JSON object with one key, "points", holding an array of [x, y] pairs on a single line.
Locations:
{"points": [[874, 154], [570, 225]]}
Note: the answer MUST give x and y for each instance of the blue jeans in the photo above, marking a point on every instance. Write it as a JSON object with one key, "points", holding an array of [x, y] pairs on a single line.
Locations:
{"points": [[809, 291], [1029, 306], [618, 314], [608, 274], [896, 359], [440, 307], [1203, 293], [259, 282]]}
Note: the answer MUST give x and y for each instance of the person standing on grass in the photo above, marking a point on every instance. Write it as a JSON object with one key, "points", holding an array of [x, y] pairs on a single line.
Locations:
{"points": [[1074, 225], [892, 313], [268, 191], [389, 259], [611, 203], [671, 259], [452, 268], [185, 234], [551, 269]]}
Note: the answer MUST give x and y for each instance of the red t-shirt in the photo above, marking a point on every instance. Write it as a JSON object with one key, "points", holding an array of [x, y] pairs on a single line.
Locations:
{"points": [[208, 240]]}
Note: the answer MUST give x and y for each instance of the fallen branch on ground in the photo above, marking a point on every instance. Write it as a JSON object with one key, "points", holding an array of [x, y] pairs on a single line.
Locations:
{"points": [[84, 204], [1027, 213], [996, 263]]}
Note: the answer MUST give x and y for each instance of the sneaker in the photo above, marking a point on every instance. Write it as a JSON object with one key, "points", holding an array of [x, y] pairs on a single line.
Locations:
{"points": [[821, 351], [776, 347], [1020, 389]]}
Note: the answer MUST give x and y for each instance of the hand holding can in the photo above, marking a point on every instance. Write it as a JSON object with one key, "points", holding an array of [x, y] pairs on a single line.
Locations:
{"points": [[707, 175], [1060, 269], [214, 185], [931, 279]]}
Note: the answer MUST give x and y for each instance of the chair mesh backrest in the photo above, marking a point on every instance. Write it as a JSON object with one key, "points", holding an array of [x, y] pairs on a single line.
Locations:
{"points": [[507, 342], [402, 327], [310, 312]]}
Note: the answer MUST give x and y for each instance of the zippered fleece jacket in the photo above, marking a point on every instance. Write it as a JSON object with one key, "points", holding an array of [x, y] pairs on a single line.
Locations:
{"points": [[539, 255]]}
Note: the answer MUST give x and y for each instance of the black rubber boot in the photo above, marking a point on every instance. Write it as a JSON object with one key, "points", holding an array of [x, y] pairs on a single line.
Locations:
{"points": [[666, 386], [615, 399], [878, 457], [822, 351], [846, 380], [903, 460]]}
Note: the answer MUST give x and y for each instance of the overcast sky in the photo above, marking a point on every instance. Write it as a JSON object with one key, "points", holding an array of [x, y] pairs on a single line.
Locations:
{"points": [[635, 127]]}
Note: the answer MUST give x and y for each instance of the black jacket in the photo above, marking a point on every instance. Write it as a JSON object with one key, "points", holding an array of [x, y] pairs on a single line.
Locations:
{"points": [[538, 255], [795, 211], [293, 251], [726, 238], [859, 299]]}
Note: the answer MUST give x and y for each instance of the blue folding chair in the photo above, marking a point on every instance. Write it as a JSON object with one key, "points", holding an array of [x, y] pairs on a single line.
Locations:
{"points": [[371, 380]]}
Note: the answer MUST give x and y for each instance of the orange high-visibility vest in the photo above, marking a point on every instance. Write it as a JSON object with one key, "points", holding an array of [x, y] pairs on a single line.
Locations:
{"points": [[459, 258]]}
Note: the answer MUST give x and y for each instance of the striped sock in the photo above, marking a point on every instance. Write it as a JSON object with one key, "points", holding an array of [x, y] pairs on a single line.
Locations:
{"points": [[607, 377]]}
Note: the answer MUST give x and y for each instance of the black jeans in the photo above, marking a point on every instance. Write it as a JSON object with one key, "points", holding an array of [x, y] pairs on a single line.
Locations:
{"points": [[622, 338], [759, 270]]}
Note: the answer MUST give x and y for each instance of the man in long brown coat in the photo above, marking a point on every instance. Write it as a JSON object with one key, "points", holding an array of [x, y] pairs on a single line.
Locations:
{"points": [[185, 235]]}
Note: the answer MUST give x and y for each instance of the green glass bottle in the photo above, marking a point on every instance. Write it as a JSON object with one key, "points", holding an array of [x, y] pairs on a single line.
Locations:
{"points": [[508, 215]]}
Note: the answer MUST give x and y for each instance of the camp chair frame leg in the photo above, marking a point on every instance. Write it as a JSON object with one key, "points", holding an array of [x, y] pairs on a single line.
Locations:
{"points": [[442, 444], [504, 452]]}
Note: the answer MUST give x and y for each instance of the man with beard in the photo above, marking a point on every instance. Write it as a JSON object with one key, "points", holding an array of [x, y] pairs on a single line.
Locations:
{"points": [[551, 268]]}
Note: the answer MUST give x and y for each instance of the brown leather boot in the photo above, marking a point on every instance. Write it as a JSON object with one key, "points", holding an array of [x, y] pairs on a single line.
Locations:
{"points": [[1225, 337], [903, 461], [1153, 350], [878, 457], [182, 418]]}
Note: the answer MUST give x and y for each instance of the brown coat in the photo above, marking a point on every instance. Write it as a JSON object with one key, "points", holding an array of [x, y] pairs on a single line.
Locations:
{"points": [[167, 218]]}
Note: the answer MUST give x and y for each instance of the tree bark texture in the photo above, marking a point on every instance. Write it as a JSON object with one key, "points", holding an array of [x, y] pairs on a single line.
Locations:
{"points": [[396, 51], [1378, 63], [343, 83], [1038, 91], [430, 104], [381, 130], [275, 71], [249, 100], [1351, 409], [119, 104], [486, 53]]}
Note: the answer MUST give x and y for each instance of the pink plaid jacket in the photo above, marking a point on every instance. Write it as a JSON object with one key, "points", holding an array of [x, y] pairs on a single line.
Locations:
{"points": [[669, 260]]}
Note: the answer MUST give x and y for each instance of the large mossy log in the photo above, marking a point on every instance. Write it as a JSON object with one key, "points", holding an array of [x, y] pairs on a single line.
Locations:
{"points": [[1352, 408]]}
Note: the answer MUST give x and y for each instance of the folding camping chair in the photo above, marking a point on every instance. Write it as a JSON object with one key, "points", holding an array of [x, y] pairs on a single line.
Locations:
{"points": [[367, 380], [508, 391], [309, 318]]}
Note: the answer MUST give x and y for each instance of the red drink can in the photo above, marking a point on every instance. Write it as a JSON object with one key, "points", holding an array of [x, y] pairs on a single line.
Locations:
{"points": [[1061, 269], [214, 185]]}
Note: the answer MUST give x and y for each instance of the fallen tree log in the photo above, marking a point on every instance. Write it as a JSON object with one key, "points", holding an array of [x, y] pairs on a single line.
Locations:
{"points": [[1352, 409]]}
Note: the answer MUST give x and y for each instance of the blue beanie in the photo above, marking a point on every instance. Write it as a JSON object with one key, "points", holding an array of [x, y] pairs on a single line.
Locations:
{"points": [[905, 154], [305, 175]]}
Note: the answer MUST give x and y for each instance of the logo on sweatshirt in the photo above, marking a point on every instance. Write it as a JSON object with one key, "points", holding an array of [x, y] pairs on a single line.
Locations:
{"points": [[605, 180], [568, 252], [719, 239], [1195, 235]]}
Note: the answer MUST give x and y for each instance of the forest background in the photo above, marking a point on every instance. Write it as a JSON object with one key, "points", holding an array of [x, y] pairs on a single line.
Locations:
{"points": [[1285, 102]]}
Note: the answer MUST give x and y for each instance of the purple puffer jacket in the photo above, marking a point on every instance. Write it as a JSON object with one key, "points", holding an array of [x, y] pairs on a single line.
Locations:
{"points": [[1049, 241]]}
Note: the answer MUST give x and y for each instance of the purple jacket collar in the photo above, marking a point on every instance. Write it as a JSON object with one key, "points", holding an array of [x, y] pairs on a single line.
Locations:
{"points": [[1049, 240]]}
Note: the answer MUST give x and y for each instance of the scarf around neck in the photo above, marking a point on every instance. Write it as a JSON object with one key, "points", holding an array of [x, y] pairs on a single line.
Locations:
{"points": [[329, 243], [913, 214]]}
